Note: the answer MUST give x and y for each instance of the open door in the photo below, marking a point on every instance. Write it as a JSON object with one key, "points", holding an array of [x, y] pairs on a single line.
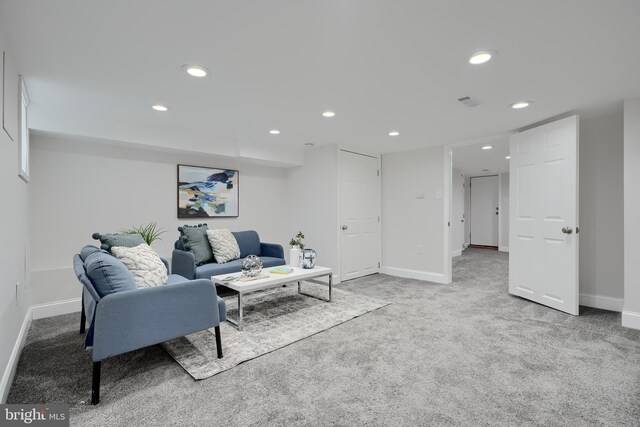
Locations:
{"points": [[543, 236]]}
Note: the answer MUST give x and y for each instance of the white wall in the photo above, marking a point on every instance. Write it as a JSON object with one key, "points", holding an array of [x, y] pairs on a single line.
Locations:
{"points": [[631, 313], [413, 227], [601, 212], [14, 257], [503, 244], [312, 195], [79, 187], [457, 212]]}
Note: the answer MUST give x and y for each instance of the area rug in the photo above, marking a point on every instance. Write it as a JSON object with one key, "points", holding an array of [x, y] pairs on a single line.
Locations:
{"points": [[272, 319]]}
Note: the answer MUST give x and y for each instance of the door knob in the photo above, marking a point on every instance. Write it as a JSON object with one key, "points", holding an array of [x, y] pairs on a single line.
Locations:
{"points": [[344, 227], [567, 230]]}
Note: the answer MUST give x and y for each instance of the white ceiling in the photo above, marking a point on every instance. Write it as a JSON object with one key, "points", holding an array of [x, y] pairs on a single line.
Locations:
{"points": [[472, 160], [96, 67]]}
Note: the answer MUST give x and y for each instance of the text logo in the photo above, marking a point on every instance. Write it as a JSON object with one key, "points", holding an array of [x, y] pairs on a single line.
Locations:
{"points": [[34, 415]]}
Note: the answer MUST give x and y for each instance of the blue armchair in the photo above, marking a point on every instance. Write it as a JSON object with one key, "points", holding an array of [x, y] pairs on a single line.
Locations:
{"points": [[123, 318], [183, 262]]}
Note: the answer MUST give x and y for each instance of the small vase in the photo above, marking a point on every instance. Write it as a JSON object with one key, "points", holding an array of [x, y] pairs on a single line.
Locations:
{"points": [[294, 257], [308, 258]]}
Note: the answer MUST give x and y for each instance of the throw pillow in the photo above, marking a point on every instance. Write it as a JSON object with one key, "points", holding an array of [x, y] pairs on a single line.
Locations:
{"points": [[144, 264], [194, 239], [224, 246], [109, 240], [108, 274]]}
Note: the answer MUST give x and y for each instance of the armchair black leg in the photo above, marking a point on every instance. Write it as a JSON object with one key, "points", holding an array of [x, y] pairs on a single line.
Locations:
{"points": [[95, 386], [218, 342], [83, 317]]}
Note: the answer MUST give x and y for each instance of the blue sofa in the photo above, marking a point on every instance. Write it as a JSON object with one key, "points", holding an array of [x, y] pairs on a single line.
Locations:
{"points": [[123, 317], [183, 262]]}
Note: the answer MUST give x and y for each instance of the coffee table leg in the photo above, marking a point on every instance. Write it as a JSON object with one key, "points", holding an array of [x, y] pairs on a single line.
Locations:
{"points": [[240, 310], [237, 324], [315, 296]]}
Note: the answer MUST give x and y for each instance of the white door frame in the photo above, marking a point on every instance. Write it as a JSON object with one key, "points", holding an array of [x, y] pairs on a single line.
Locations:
{"points": [[378, 205], [448, 190], [447, 204]]}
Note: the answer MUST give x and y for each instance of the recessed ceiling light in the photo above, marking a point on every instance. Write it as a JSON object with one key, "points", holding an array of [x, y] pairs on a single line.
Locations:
{"points": [[160, 107], [195, 70], [487, 147], [309, 144], [508, 157], [394, 133], [520, 104], [485, 170], [274, 132], [328, 114], [482, 56]]}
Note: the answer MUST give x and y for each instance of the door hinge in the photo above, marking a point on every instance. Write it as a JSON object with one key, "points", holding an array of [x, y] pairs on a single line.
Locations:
{"points": [[378, 265], [448, 223], [378, 172], [378, 219]]}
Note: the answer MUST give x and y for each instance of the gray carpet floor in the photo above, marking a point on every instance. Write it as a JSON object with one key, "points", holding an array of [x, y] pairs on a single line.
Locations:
{"points": [[460, 354]]}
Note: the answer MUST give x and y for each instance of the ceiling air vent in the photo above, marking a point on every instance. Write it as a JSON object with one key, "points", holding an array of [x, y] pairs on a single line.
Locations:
{"points": [[469, 101]]}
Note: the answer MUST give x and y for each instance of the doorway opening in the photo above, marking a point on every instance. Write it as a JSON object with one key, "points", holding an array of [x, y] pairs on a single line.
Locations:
{"points": [[543, 173], [480, 196]]}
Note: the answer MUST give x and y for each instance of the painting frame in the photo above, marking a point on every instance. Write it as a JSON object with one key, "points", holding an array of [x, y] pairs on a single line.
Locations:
{"points": [[205, 192]]}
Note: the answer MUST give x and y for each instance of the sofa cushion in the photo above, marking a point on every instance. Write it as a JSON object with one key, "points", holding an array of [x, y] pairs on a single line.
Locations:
{"points": [[194, 239], [108, 274], [249, 243], [109, 240], [235, 266], [144, 264], [224, 245]]}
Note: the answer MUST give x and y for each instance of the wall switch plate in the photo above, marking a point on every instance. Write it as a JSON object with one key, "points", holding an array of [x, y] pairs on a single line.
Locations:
{"points": [[420, 196]]}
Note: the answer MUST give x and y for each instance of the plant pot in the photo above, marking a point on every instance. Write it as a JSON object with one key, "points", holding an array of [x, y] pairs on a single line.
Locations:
{"points": [[294, 257]]}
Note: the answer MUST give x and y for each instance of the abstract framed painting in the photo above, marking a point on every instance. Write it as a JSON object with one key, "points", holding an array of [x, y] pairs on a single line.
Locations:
{"points": [[208, 192]]}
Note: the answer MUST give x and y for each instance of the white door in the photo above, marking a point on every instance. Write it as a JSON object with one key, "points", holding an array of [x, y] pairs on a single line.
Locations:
{"points": [[359, 215], [484, 210], [543, 258]]}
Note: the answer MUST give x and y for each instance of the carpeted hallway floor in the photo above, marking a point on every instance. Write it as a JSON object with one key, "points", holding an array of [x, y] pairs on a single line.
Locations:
{"points": [[460, 354]]}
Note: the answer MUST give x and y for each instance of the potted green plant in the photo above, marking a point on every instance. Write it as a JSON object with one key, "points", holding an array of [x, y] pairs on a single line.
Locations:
{"points": [[149, 232], [296, 241]]}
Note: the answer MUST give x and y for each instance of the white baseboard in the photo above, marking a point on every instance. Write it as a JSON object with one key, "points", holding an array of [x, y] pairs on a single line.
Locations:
{"points": [[56, 308], [602, 302], [413, 274], [456, 252], [10, 371], [503, 248], [631, 319]]}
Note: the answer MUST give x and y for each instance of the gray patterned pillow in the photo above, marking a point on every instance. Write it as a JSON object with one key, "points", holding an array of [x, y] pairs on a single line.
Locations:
{"points": [[224, 246], [144, 263]]}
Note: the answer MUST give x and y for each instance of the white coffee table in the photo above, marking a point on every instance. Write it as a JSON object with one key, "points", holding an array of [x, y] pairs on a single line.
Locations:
{"points": [[243, 287]]}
